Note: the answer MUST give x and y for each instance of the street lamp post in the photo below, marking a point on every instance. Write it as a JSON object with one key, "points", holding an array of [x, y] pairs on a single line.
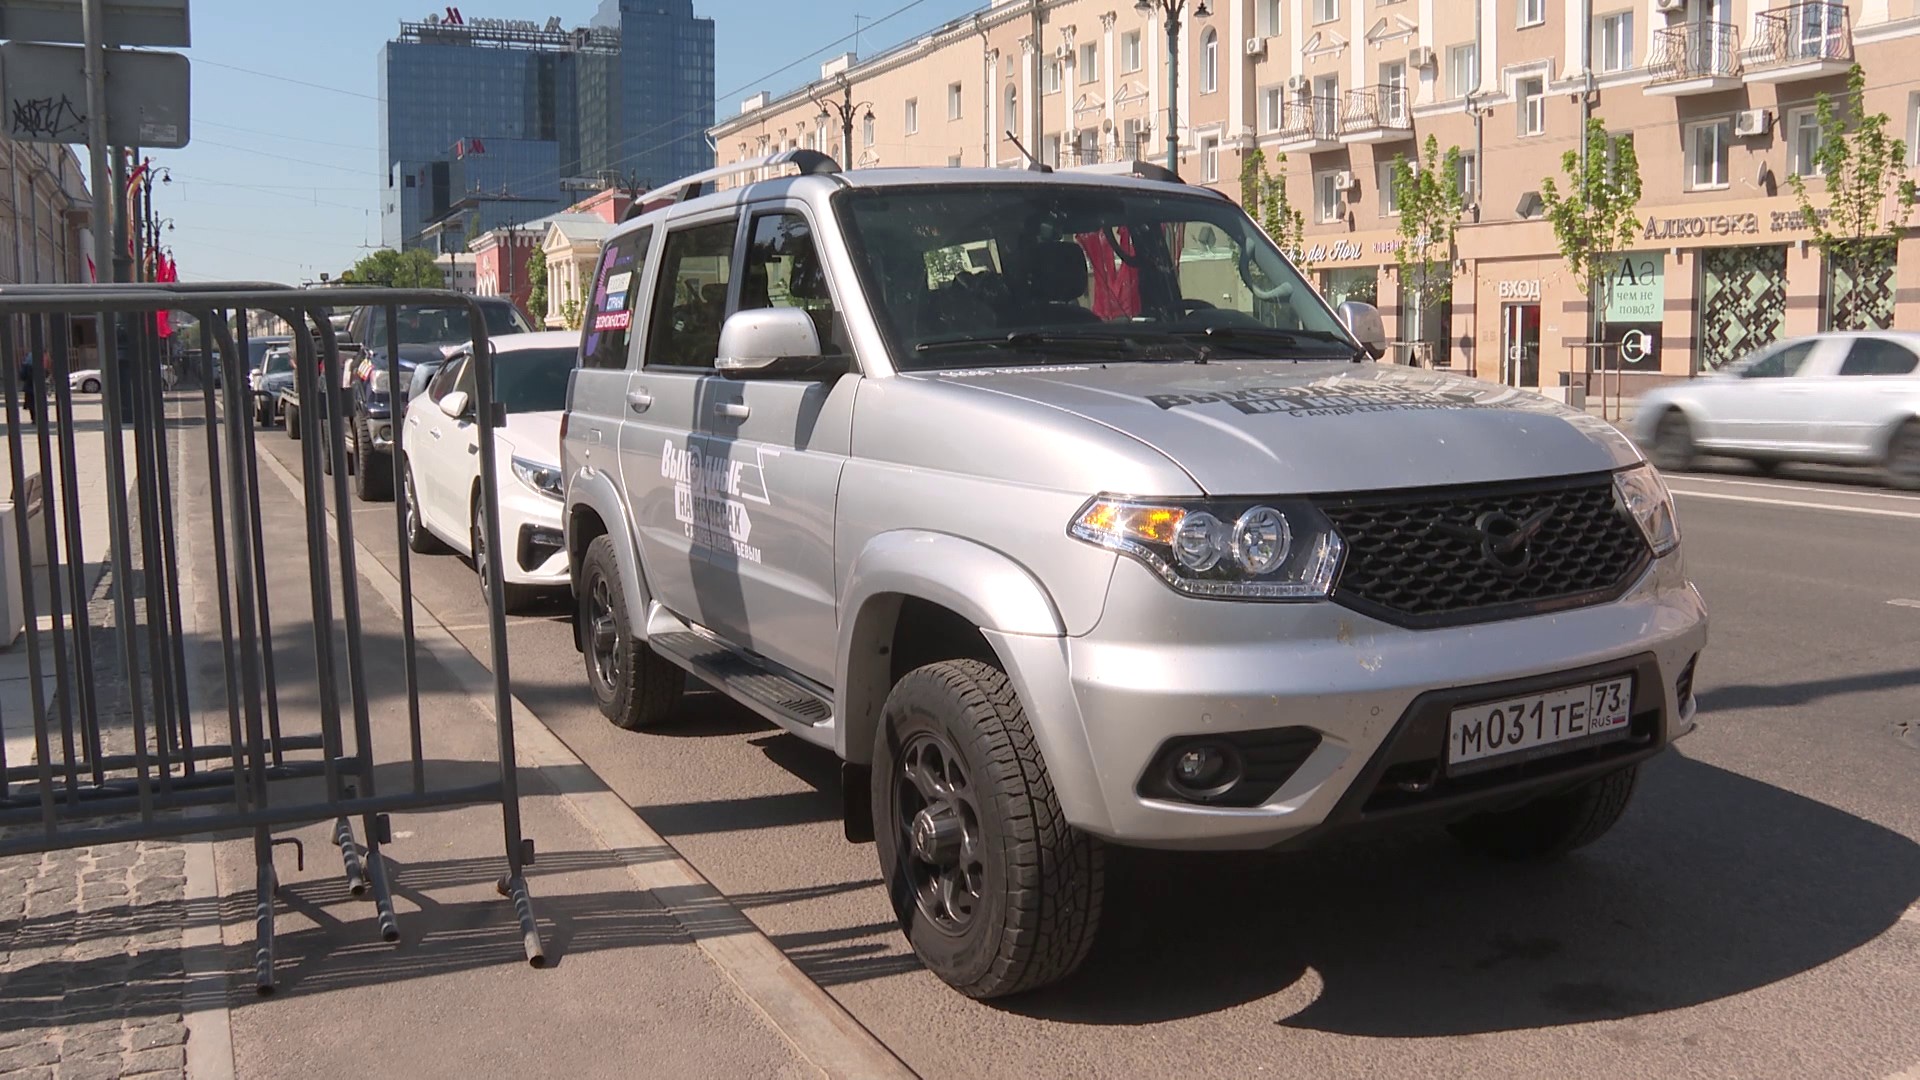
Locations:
{"points": [[1169, 11], [844, 108]]}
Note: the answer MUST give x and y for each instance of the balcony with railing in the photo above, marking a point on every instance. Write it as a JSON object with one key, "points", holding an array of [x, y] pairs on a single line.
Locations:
{"points": [[1800, 41], [1695, 58], [1376, 114], [1308, 125]]}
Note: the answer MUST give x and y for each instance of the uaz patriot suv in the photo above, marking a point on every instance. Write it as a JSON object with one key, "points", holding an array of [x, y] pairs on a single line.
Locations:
{"points": [[1065, 512]]}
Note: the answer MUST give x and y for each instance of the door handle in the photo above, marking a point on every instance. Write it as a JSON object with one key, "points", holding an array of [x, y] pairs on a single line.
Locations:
{"points": [[639, 400], [733, 410]]}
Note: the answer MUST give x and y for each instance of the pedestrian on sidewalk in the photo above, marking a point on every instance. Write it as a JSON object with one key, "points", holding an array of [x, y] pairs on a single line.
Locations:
{"points": [[30, 392]]}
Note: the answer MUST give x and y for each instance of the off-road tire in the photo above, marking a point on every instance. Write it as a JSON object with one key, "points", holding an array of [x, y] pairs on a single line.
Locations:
{"points": [[1903, 456], [1554, 825], [372, 470], [1673, 448], [642, 690], [420, 539], [291, 417], [1043, 879]]}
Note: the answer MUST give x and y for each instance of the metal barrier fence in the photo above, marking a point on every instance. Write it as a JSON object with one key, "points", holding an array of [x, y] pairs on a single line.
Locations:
{"points": [[79, 790]]}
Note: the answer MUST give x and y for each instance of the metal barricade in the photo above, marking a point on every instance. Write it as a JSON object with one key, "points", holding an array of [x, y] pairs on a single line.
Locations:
{"points": [[164, 782]]}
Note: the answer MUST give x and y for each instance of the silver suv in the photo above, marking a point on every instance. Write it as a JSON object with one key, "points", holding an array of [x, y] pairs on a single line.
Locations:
{"points": [[1062, 509]]}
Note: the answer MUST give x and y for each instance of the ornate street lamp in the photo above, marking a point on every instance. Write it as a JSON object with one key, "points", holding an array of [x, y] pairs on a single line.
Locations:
{"points": [[1169, 12], [844, 108]]}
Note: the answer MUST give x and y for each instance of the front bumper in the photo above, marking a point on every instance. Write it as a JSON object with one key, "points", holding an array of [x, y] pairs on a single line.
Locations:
{"points": [[1363, 703], [533, 549]]}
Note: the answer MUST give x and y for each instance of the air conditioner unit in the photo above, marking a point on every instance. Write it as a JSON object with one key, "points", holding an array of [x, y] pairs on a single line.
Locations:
{"points": [[1297, 84], [1256, 46], [1343, 181], [1751, 123], [1421, 57], [1669, 5]]}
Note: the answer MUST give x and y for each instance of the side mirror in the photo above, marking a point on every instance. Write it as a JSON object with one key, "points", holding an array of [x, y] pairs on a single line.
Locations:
{"points": [[454, 403], [773, 343], [1363, 322]]}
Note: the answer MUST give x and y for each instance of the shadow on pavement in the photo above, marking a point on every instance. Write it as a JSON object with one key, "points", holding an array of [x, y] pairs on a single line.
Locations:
{"points": [[1791, 695], [1715, 884]]}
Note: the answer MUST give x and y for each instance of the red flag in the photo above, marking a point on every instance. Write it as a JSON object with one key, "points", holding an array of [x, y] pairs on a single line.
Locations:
{"points": [[165, 271]]}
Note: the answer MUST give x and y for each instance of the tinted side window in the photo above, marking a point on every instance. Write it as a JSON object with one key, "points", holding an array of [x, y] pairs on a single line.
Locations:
{"points": [[1878, 356], [1779, 364], [690, 300], [376, 329], [784, 270], [616, 288]]}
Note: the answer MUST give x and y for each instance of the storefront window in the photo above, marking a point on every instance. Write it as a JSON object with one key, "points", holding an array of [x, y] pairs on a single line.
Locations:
{"points": [[1743, 301], [1360, 283], [1860, 292]]}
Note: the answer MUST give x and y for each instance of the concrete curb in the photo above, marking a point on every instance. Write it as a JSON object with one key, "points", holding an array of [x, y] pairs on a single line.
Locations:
{"points": [[817, 1026]]}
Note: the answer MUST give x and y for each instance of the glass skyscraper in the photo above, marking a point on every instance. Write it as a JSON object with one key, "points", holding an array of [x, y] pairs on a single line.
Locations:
{"points": [[486, 118]]}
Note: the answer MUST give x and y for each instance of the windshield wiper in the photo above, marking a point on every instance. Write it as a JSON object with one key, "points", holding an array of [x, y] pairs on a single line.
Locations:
{"points": [[1262, 338], [1035, 340]]}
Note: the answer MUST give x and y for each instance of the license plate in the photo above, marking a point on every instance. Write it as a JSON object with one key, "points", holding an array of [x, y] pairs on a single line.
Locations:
{"points": [[1529, 725]]}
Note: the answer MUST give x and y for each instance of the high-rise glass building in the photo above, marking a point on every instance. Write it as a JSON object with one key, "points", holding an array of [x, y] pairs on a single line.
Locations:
{"points": [[494, 120]]}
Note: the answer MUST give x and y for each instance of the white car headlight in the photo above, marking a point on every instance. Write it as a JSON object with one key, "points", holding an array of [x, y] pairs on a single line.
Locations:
{"points": [[1644, 495], [544, 479], [1243, 550]]}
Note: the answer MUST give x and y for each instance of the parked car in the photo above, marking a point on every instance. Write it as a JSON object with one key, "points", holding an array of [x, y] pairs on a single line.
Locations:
{"points": [[274, 376], [1839, 398], [85, 380], [441, 464], [1112, 534], [258, 347]]}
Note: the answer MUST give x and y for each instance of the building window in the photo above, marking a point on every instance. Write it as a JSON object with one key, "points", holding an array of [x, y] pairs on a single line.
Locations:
{"points": [[1089, 63], [1050, 152], [1130, 51], [1389, 198], [1327, 197], [955, 98], [1210, 159], [1393, 81], [1913, 128], [1532, 94], [1325, 10], [1533, 12], [913, 115], [1050, 76], [867, 130], [1011, 121], [1133, 134], [1467, 175], [1272, 18], [1707, 155], [1463, 70], [1210, 62], [1803, 142], [1273, 101], [1616, 41]]}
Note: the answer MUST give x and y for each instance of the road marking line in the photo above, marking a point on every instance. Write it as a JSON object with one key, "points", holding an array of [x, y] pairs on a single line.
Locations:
{"points": [[1775, 486], [1905, 603], [1873, 511], [819, 1028]]}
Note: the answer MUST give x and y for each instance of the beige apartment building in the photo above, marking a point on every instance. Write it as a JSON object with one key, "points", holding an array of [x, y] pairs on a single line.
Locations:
{"points": [[1717, 95]]}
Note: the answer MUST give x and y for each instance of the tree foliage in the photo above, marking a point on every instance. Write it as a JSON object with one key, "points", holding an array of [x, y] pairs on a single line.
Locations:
{"points": [[570, 314], [1427, 193], [537, 286], [1870, 198], [1263, 195], [1598, 216], [411, 269]]}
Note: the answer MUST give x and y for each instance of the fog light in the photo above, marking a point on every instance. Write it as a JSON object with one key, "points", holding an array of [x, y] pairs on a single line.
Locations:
{"points": [[1204, 770]]}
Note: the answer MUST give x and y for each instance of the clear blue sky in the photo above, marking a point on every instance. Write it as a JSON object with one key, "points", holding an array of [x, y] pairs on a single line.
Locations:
{"points": [[280, 181]]}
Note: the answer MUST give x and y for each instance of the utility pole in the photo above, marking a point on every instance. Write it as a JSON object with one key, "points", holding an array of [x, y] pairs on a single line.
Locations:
{"points": [[93, 14]]}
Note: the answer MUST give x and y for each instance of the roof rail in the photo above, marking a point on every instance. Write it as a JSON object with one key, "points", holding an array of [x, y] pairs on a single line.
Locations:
{"points": [[809, 162], [1145, 170]]}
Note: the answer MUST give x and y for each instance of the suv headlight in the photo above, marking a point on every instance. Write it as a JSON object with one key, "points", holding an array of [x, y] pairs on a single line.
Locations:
{"points": [[1642, 493], [544, 479], [377, 381], [1240, 549]]}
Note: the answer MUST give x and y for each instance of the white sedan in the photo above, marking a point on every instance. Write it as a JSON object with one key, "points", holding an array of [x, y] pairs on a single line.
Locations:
{"points": [[1838, 398], [440, 449]]}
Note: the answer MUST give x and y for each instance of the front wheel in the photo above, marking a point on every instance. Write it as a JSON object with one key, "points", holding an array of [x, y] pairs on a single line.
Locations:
{"points": [[635, 687], [996, 891], [372, 470], [290, 416], [1673, 442], [1553, 825], [518, 597], [420, 539], [90, 386], [1903, 456]]}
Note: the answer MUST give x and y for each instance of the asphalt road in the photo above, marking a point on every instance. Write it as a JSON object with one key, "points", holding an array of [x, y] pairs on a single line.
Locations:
{"points": [[1753, 916]]}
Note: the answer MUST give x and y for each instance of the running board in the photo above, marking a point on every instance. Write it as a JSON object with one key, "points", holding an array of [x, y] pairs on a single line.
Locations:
{"points": [[746, 679]]}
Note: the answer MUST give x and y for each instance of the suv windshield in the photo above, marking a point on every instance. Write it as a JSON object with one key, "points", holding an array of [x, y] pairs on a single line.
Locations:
{"points": [[448, 325], [279, 360], [533, 380], [1052, 272]]}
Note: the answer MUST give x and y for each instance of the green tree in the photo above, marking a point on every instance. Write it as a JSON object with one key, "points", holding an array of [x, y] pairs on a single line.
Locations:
{"points": [[537, 286], [411, 269], [1426, 192], [570, 314], [1598, 217], [1870, 199], [1263, 194]]}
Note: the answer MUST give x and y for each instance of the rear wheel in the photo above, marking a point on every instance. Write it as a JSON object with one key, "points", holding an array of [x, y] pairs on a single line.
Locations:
{"points": [[1550, 827], [996, 891], [1673, 448], [1903, 456], [420, 539], [634, 686], [90, 386]]}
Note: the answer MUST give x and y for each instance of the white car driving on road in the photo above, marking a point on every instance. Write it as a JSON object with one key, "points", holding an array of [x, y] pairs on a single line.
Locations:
{"points": [[441, 477], [1837, 398]]}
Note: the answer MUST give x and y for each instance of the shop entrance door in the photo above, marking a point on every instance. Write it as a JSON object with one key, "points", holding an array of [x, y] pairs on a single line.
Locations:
{"points": [[1520, 345]]}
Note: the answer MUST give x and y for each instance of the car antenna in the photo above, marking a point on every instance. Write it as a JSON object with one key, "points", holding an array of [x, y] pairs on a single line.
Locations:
{"points": [[1032, 164]]}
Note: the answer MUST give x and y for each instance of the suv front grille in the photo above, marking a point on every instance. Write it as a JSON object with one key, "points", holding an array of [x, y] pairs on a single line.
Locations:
{"points": [[1423, 559]]}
